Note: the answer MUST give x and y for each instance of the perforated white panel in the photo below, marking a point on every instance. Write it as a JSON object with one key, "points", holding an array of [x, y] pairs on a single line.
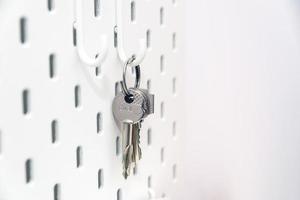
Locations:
{"points": [[58, 140]]}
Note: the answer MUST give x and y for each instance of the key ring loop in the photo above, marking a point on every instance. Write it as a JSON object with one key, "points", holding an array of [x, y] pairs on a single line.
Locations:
{"points": [[137, 76]]}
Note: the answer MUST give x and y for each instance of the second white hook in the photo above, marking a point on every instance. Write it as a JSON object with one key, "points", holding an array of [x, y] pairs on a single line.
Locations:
{"points": [[140, 55], [88, 60]]}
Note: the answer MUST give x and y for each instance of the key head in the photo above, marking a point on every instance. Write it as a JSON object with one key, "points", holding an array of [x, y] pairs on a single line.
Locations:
{"points": [[129, 109]]}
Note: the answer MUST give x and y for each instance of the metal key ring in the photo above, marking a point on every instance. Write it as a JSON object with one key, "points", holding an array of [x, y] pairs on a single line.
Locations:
{"points": [[137, 76]]}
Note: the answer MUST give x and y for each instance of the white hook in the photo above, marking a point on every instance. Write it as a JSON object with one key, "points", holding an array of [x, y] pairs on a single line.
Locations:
{"points": [[119, 36], [79, 39], [151, 194]]}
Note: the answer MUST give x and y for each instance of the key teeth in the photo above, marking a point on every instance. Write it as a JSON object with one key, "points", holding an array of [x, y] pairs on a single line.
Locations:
{"points": [[138, 141], [140, 154], [127, 160]]}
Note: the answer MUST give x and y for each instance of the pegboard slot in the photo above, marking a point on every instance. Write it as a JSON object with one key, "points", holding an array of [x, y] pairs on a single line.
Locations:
{"points": [[118, 145], [162, 63], [149, 136], [174, 129], [162, 110], [174, 172], [119, 194], [78, 156], [99, 122], [115, 37], [149, 182], [77, 95], [23, 30], [97, 8], [174, 85], [50, 5], [174, 41], [162, 155], [28, 171], [149, 85], [148, 38], [100, 178], [52, 66], [25, 101], [98, 71], [132, 11], [56, 192], [54, 135], [161, 16], [74, 35]]}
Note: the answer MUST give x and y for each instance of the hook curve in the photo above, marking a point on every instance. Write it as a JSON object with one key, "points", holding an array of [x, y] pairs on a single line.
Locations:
{"points": [[81, 51], [119, 37]]}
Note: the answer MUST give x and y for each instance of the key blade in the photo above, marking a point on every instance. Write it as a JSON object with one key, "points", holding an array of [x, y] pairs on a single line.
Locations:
{"points": [[136, 143], [127, 148], [139, 150], [127, 160]]}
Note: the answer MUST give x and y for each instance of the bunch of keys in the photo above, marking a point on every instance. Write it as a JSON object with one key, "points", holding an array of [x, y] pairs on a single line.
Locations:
{"points": [[130, 107]]}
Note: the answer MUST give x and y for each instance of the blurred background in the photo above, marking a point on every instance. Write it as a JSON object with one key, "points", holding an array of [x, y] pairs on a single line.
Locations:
{"points": [[243, 94]]}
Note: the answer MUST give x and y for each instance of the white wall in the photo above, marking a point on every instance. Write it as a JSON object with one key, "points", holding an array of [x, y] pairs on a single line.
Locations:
{"points": [[243, 100]]}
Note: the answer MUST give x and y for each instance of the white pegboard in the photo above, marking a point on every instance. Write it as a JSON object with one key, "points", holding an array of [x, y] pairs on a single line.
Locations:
{"points": [[58, 139]]}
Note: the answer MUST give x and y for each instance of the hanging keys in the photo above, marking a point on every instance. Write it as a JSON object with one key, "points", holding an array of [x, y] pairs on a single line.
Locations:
{"points": [[130, 107]]}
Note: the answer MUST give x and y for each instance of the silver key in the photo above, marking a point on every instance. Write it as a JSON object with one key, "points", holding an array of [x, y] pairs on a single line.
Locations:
{"points": [[127, 148], [129, 116], [149, 109], [137, 152], [130, 108]]}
